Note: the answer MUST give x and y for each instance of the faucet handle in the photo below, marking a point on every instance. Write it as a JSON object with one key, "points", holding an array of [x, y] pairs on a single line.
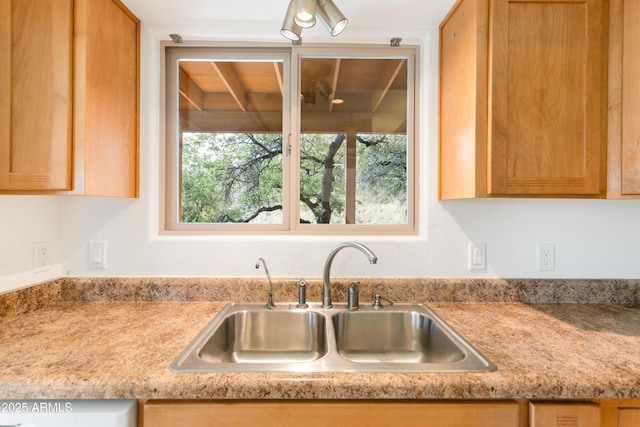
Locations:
{"points": [[302, 294], [270, 304], [352, 303], [376, 301]]}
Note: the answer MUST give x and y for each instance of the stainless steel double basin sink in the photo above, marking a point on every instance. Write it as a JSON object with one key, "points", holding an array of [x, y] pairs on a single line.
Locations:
{"points": [[247, 337]]}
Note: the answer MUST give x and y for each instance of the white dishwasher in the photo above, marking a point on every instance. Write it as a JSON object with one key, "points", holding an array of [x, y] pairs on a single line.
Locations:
{"points": [[68, 413]]}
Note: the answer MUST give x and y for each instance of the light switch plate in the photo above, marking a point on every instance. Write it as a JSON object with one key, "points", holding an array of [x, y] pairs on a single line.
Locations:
{"points": [[477, 256], [98, 255]]}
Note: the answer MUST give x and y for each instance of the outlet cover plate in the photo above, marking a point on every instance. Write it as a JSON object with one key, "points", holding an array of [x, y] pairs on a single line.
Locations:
{"points": [[41, 257], [546, 257]]}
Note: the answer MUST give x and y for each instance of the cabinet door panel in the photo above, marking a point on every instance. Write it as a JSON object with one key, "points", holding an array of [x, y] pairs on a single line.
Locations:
{"points": [[631, 98], [546, 128], [620, 412], [36, 106], [629, 417], [106, 93], [463, 105]]}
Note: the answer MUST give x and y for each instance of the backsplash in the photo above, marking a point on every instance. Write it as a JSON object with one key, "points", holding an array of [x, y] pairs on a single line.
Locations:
{"points": [[534, 291]]}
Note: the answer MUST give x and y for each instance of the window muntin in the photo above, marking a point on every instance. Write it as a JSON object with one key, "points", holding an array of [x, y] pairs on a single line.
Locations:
{"points": [[373, 126]]}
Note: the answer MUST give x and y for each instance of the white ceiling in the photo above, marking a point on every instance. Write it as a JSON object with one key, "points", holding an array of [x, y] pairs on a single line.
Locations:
{"points": [[360, 13]]}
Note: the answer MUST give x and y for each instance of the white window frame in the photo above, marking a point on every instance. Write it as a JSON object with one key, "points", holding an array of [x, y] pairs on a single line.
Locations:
{"points": [[290, 57]]}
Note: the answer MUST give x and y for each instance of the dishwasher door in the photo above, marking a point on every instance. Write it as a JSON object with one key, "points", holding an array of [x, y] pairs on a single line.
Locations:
{"points": [[68, 413]]}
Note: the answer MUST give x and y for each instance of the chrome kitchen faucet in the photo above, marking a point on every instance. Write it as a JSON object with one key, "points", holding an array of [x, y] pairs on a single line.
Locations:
{"points": [[270, 305], [326, 281]]}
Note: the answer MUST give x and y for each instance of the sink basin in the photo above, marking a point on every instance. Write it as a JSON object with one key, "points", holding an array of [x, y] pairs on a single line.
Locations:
{"points": [[249, 337], [266, 336], [400, 338], [393, 337]]}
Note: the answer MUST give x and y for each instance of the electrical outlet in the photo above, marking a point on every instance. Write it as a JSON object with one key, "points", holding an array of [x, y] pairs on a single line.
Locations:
{"points": [[40, 257], [477, 256], [546, 257]]}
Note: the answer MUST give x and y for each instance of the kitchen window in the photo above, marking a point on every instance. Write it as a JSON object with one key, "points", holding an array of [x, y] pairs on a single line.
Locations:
{"points": [[296, 140]]}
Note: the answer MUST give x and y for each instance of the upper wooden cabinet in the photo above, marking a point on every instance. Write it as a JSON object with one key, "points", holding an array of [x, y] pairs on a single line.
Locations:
{"points": [[106, 99], [69, 98], [624, 100], [522, 99], [36, 94]]}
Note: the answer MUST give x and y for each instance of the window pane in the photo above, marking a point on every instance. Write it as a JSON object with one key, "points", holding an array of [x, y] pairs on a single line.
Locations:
{"points": [[301, 140], [231, 178], [322, 178], [230, 116], [381, 179], [354, 143]]}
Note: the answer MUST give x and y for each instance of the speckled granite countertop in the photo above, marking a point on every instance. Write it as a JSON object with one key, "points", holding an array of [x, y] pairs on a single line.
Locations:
{"points": [[83, 348]]}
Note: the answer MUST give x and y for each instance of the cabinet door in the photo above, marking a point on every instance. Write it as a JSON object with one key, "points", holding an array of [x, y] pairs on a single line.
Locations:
{"points": [[106, 99], [320, 413], [463, 101], [631, 98], [629, 417], [546, 130], [624, 100], [620, 412], [551, 414], [35, 94]]}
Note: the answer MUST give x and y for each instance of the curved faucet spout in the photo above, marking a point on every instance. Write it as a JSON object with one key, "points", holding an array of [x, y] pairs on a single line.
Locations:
{"points": [[326, 279]]}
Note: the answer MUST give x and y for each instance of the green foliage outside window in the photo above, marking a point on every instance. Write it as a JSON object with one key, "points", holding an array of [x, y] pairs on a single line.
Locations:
{"points": [[230, 177], [235, 178]]}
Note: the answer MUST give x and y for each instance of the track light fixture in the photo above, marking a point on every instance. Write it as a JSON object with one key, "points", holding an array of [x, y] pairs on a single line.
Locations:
{"points": [[290, 29], [331, 17], [302, 14], [305, 13]]}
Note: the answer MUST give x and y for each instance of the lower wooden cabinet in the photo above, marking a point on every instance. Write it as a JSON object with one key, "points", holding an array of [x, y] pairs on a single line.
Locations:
{"points": [[403, 413], [552, 414], [322, 413], [620, 413], [628, 417]]}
